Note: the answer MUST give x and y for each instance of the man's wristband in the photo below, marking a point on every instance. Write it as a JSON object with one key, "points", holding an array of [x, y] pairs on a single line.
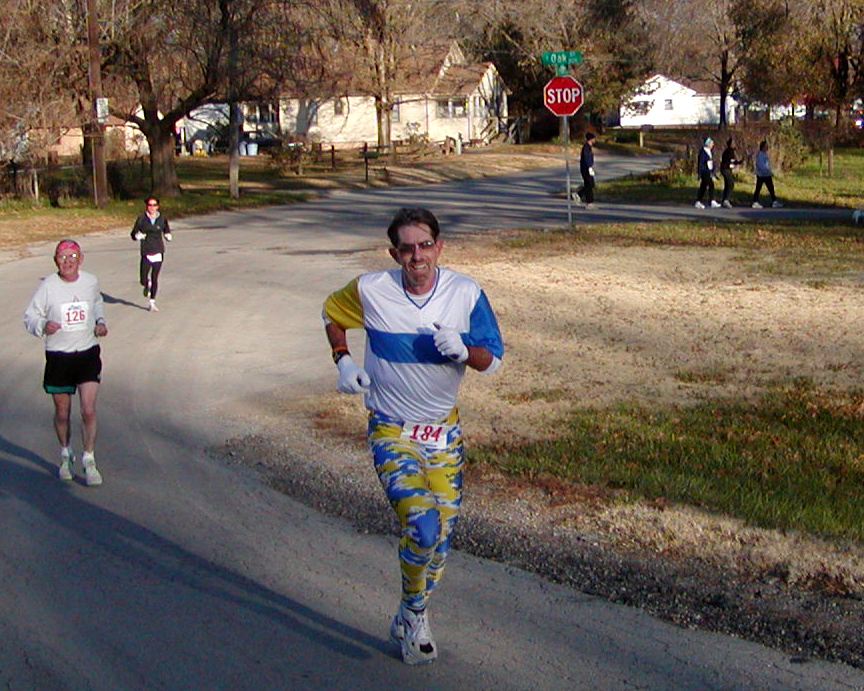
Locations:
{"points": [[339, 353]]}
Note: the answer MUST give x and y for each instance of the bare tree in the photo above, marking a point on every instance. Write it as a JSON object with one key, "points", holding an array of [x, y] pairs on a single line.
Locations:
{"points": [[43, 72], [711, 40], [835, 38], [373, 43]]}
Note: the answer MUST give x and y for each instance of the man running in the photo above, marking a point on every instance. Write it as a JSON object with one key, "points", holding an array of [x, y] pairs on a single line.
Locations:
{"points": [[424, 324], [67, 311]]}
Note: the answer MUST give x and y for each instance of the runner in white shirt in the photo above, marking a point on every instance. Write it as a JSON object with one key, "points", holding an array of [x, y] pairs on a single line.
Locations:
{"points": [[424, 325], [67, 311]]}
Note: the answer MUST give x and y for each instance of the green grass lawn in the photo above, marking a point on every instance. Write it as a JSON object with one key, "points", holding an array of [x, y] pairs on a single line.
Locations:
{"points": [[792, 460]]}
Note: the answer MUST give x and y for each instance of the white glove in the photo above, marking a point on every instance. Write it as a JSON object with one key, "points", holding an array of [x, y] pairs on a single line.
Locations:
{"points": [[139, 235], [352, 377], [168, 237], [449, 343]]}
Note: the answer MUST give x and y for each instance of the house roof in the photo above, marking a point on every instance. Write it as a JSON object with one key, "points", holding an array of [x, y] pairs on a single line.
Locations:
{"points": [[700, 87], [436, 69]]}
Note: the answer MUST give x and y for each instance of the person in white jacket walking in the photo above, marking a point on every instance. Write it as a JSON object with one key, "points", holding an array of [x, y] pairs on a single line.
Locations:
{"points": [[764, 176], [67, 312]]}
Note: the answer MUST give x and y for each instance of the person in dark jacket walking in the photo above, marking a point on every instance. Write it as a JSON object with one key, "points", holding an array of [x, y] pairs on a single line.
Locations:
{"points": [[728, 161], [705, 171], [586, 167], [150, 228]]}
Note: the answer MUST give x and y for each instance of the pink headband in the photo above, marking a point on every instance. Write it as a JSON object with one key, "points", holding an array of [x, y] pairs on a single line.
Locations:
{"points": [[67, 245]]}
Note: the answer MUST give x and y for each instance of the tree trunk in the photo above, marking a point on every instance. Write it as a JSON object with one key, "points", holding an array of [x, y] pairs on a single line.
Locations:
{"points": [[725, 82], [163, 174], [234, 150], [382, 112]]}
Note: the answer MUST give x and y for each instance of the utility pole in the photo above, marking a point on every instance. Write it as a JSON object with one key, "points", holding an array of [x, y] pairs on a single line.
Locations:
{"points": [[98, 110], [233, 114]]}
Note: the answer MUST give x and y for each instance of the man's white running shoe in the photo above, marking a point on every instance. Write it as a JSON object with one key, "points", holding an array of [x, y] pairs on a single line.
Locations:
{"points": [[699, 205], [715, 204], [411, 631], [153, 307], [92, 476], [776, 205], [64, 471], [727, 204], [756, 205]]}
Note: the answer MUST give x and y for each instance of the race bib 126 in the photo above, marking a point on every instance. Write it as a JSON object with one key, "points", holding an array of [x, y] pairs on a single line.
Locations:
{"points": [[73, 316]]}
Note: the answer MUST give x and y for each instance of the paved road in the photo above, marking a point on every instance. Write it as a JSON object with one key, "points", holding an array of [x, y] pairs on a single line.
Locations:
{"points": [[182, 572]]}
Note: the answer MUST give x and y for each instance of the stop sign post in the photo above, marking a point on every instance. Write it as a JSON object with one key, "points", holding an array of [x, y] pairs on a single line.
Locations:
{"points": [[563, 95]]}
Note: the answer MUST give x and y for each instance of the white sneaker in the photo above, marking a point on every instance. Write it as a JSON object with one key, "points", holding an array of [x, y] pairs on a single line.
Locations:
{"points": [[715, 204], [756, 205], [411, 631], [64, 471], [590, 205], [699, 205], [153, 307], [727, 204], [776, 205], [92, 476]]}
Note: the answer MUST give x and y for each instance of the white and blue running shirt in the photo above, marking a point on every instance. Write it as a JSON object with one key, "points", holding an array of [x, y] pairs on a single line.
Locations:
{"points": [[411, 380]]}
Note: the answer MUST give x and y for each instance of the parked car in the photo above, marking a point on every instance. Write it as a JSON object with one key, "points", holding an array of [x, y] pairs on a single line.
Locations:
{"points": [[266, 141]]}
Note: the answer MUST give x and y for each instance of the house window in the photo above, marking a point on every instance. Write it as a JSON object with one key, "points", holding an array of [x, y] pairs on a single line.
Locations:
{"points": [[262, 113], [668, 104], [395, 115], [338, 106], [451, 107], [640, 107]]}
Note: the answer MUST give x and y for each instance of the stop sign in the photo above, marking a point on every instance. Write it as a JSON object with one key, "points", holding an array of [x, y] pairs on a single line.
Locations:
{"points": [[562, 95]]}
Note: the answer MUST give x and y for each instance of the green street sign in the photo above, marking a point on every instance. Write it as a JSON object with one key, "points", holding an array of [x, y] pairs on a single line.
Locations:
{"points": [[561, 57]]}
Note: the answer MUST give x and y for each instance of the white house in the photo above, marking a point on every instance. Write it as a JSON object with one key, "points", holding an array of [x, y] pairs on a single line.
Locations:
{"points": [[438, 94], [663, 102]]}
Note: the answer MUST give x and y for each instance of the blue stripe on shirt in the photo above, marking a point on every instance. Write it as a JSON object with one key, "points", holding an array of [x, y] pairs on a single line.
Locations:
{"points": [[417, 348]]}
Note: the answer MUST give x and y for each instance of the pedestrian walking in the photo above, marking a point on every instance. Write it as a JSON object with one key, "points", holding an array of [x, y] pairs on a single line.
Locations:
{"points": [[67, 312], [705, 171], [764, 176], [728, 161], [586, 168], [424, 325], [149, 230]]}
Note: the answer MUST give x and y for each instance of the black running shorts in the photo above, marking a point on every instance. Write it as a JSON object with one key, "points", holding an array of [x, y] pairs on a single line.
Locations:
{"points": [[65, 371]]}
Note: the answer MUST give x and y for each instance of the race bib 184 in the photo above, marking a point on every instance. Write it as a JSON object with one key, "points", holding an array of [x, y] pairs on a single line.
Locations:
{"points": [[428, 434]]}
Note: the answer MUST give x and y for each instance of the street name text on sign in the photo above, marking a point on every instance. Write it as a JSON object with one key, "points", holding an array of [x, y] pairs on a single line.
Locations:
{"points": [[561, 57], [562, 95]]}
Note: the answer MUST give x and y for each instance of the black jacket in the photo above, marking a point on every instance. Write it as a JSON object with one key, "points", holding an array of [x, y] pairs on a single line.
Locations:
{"points": [[586, 160], [153, 233]]}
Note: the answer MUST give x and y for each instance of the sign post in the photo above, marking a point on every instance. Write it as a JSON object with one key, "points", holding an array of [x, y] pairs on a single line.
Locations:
{"points": [[563, 96]]}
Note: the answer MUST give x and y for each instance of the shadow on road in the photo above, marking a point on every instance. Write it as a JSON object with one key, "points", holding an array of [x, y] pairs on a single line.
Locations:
{"points": [[152, 566]]}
